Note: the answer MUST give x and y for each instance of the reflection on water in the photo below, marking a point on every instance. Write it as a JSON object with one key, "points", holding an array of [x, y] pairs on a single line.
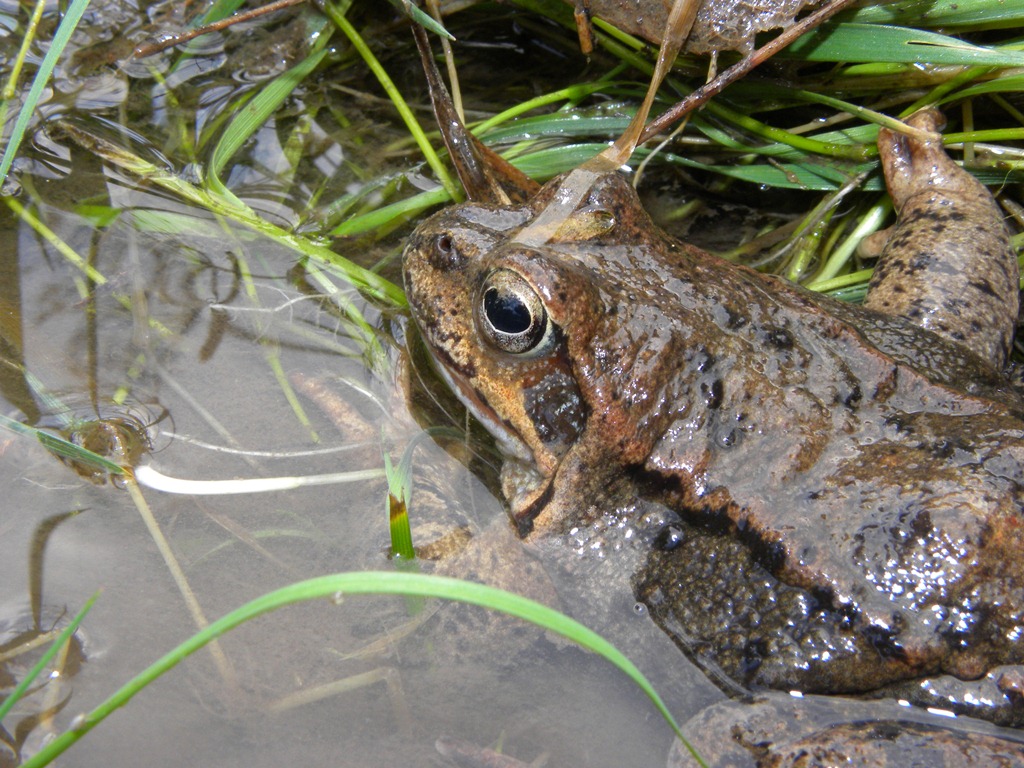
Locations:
{"points": [[144, 328]]}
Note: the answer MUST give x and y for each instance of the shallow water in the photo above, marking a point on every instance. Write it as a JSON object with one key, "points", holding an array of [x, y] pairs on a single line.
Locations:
{"points": [[180, 340], [198, 331]]}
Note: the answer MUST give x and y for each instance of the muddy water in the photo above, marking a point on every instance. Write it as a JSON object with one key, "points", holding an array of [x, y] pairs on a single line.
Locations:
{"points": [[212, 340]]}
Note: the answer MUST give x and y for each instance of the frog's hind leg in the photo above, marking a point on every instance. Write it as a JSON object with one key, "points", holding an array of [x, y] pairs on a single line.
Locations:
{"points": [[948, 265]]}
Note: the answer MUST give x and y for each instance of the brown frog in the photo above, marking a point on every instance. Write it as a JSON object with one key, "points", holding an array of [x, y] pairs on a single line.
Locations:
{"points": [[847, 480]]}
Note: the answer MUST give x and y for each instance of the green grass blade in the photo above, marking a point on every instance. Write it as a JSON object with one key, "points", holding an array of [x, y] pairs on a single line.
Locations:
{"points": [[573, 94], [15, 696], [1005, 84], [400, 495], [882, 42], [561, 124], [546, 163], [396, 98], [259, 109], [807, 176], [360, 583], [58, 244], [391, 213], [422, 18], [11, 87], [61, 447], [962, 13], [397, 504], [57, 45], [234, 210], [221, 9]]}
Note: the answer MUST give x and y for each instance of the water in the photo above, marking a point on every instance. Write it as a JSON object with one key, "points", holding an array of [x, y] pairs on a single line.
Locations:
{"points": [[235, 358]]}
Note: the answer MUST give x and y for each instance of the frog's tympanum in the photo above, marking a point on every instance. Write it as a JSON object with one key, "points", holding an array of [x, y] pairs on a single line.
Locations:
{"points": [[848, 480]]}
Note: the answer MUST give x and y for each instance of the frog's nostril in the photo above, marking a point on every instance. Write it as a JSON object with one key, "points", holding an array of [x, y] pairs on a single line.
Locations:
{"points": [[445, 254]]}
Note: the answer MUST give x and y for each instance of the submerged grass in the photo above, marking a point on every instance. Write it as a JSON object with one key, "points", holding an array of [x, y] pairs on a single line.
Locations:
{"points": [[33, 675]]}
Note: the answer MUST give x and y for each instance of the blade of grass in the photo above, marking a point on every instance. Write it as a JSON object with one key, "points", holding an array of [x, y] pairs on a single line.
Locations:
{"points": [[220, 10], [237, 212], [985, 137], [75, 259], [396, 98], [397, 504], [400, 494], [399, 497], [421, 18], [61, 447], [811, 175], [58, 244], [260, 108], [561, 124], [224, 667], [11, 86], [1003, 84], [273, 358], [882, 42], [838, 258], [804, 143], [35, 92], [270, 346], [972, 13], [573, 94], [807, 176], [366, 196], [833, 285], [394, 212], [363, 583]]}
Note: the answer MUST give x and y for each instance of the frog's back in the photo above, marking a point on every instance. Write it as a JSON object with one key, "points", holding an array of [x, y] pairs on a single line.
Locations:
{"points": [[854, 476]]}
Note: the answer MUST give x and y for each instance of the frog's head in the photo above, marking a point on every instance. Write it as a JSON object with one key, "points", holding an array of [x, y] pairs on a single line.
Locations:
{"points": [[537, 317], [508, 309]]}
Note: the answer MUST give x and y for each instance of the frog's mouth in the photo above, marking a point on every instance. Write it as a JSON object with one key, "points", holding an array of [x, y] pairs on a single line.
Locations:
{"points": [[529, 490], [509, 442]]}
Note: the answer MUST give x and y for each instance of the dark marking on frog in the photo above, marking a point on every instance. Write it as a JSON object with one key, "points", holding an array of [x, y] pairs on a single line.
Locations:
{"points": [[713, 393], [555, 406]]}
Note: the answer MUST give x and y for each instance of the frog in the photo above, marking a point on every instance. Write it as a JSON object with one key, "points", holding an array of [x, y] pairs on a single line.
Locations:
{"points": [[844, 481]]}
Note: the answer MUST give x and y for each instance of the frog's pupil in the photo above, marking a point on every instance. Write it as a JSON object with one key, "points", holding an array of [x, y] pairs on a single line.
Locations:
{"points": [[506, 312], [511, 314]]}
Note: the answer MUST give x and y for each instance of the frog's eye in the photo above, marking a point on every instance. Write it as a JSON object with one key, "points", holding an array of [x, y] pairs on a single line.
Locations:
{"points": [[512, 316]]}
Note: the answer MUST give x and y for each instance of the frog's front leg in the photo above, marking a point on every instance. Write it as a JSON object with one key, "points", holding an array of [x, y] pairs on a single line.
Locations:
{"points": [[947, 265], [584, 484]]}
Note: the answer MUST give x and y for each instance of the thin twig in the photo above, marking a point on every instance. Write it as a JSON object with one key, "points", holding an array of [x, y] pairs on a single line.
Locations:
{"points": [[148, 49]]}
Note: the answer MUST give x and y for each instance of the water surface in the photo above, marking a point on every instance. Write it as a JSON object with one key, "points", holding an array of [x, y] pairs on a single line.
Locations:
{"points": [[238, 359]]}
